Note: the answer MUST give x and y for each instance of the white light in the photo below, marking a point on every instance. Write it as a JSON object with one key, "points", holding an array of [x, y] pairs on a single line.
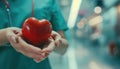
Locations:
{"points": [[81, 24], [26, 20], [94, 65], [42, 20], [74, 12], [27, 27], [95, 20], [33, 18], [72, 59], [98, 10]]}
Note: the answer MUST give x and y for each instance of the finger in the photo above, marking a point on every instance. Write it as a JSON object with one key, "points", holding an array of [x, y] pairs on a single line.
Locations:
{"points": [[11, 36], [37, 56], [56, 37], [17, 30], [28, 47], [19, 34], [46, 54], [14, 44], [55, 34], [50, 47], [24, 48], [13, 39], [32, 55], [41, 59], [38, 60]]}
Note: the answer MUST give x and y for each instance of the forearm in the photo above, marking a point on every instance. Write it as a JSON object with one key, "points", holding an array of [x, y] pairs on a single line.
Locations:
{"points": [[3, 38]]}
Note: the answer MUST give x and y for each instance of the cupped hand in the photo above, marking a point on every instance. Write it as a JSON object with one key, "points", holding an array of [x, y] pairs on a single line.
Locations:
{"points": [[15, 39]]}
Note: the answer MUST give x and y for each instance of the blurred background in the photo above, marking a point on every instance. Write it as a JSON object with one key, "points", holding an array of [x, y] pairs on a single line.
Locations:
{"points": [[94, 35]]}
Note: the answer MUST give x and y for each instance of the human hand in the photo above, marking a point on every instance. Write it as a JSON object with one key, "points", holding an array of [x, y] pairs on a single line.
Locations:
{"points": [[12, 31], [51, 44], [15, 39]]}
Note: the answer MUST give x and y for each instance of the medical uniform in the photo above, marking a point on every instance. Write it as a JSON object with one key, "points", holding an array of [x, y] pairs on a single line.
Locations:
{"points": [[20, 10]]}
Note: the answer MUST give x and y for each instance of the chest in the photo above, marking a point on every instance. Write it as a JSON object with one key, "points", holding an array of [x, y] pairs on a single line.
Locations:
{"points": [[22, 9]]}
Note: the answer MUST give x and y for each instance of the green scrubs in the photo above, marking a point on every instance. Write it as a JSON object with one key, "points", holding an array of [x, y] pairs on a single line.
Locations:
{"points": [[20, 10]]}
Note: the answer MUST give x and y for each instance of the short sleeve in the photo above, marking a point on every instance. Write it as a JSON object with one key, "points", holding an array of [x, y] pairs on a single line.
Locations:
{"points": [[57, 20]]}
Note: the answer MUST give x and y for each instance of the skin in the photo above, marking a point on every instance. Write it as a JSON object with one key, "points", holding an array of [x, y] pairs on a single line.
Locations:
{"points": [[118, 9], [12, 35]]}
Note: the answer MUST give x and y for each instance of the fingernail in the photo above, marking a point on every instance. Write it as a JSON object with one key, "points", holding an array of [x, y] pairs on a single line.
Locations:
{"points": [[36, 61], [43, 54]]}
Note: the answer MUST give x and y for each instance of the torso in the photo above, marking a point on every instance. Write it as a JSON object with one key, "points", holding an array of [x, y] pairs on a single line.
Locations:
{"points": [[22, 9]]}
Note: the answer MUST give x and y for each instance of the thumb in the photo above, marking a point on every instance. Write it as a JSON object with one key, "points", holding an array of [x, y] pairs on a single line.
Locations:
{"points": [[56, 36], [57, 40], [12, 37]]}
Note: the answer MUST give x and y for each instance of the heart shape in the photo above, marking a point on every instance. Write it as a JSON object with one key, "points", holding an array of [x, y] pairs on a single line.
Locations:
{"points": [[36, 31]]}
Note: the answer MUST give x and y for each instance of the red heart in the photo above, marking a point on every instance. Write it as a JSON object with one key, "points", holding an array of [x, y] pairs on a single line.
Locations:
{"points": [[36, 31]]}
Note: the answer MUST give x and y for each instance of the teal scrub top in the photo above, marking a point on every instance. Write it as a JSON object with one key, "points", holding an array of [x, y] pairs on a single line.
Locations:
{"points": [[20, 10]]}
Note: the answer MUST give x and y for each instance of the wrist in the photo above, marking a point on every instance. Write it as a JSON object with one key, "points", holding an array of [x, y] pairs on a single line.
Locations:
{"points": [[6, 34], [3, 36]]}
